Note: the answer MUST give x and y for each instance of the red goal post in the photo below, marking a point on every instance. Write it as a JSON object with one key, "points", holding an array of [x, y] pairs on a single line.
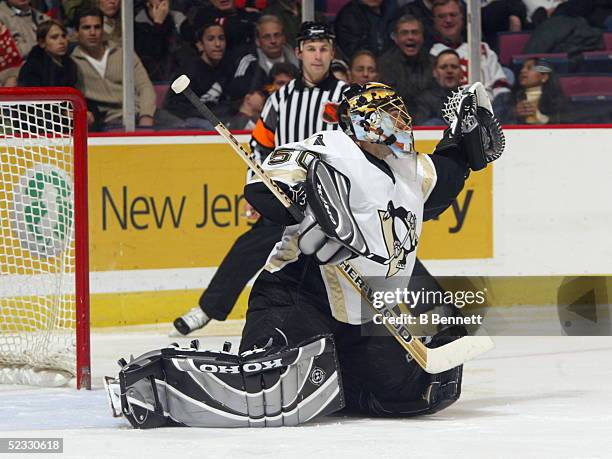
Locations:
{"points": [[44, 251]]}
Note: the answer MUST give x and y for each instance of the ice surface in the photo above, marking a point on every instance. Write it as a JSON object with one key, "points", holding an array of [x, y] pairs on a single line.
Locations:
{"points": [[530, 397]]}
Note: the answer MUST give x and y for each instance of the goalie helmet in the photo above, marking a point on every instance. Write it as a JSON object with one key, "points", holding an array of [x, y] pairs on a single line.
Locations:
{"points": [[375, 113]]}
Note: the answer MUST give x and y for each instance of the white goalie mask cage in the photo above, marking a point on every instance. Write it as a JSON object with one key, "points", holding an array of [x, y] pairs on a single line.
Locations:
{"points": [[375, 113]]}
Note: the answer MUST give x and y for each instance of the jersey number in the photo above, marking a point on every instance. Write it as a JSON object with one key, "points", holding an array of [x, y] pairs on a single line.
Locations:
{"points": [[278, 157]]}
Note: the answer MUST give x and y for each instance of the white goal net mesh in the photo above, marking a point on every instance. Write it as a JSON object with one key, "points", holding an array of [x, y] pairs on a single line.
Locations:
{"points": [[37, 251]]}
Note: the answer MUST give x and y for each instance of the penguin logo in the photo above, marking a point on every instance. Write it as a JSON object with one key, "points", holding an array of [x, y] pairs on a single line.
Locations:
{"points": [[399, 228]]}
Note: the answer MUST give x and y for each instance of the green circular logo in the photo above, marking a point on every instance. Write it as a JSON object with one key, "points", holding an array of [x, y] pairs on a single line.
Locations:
{"points": [[44, 210]]}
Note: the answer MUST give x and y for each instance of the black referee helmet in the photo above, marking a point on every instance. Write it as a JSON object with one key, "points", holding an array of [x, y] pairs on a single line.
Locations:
{"points": [[314, 31]]}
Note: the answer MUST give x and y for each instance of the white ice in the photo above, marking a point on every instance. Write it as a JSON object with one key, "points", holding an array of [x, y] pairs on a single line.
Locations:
{"points": [[544, 397]]}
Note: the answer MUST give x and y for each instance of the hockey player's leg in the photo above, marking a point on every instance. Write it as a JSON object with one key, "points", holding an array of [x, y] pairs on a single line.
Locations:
{"points": [[380, 380], [218, 389], [199, 388], [277, 311], [244, 259], [270, 304]]}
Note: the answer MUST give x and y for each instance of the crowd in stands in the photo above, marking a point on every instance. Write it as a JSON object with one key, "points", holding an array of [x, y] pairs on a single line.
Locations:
{"points": [[237, 52]]}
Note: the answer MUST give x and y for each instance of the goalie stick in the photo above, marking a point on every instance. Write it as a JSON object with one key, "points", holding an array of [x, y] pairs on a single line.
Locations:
{"points": [[432, 360]]}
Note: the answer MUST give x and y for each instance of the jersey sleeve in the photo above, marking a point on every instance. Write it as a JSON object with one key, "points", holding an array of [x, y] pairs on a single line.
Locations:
{"points": [[451, 172], [287, 167]]}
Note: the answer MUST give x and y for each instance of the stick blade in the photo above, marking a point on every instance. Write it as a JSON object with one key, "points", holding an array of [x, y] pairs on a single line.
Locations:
{"points": [[180, 84], [456, 353]]}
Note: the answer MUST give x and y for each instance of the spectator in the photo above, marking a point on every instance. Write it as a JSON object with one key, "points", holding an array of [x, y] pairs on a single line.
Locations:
{"points": [[363, 67], [210, 76], [239, 24], [447, 74], [566, 31], [249, 111], [538, 98], [184, 6], [601, 14], [540, 10], [340, 70], [22, 21], [422, 10], [281, 74], [48, 63], [497, 16], [448, 27], [53, 9], [254, 68], [10, 59], [112, 19], [70, 7], [290, 14], [100, 74], [407, 66], [157, 38], [501, 16], [365, 24]]}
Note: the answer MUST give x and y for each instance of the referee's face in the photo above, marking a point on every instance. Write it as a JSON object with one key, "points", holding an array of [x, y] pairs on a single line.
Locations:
{"points": [[316, 57]]}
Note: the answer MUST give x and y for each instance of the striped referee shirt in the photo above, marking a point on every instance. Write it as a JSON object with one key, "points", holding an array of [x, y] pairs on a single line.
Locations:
{"points": [[295, 112]]}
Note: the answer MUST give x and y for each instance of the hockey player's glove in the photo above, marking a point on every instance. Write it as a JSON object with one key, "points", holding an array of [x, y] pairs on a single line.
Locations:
{"points": [[329, 231], [469, 115]]}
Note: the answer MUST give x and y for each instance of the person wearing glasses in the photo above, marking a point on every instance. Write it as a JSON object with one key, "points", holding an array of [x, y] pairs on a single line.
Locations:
{"points": [[448, 16]]}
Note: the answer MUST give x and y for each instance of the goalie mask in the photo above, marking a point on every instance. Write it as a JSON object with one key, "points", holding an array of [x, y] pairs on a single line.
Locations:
{"points": [[375, 113]]}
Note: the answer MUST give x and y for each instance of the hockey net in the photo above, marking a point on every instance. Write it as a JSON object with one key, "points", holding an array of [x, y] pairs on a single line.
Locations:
{"points": [[44, 300]]}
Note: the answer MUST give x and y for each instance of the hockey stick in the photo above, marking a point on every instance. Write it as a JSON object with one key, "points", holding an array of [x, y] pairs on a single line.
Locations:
{"points": [[432, 360]]}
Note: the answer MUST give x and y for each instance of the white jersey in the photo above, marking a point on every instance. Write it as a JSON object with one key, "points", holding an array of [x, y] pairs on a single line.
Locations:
{"points": [[387, 200]]}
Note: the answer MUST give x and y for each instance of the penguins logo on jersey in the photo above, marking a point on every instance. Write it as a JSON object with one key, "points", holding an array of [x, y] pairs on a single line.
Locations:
{"points": [[400, 235]]}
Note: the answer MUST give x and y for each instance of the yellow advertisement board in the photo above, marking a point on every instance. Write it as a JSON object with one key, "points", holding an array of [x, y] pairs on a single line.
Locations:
{"points": [[164, 206], [180, 206], [465, 229]]}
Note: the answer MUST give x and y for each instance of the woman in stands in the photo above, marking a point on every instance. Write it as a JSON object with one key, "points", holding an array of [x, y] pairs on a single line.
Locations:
{"points": [[48, 64], [538, 98]]}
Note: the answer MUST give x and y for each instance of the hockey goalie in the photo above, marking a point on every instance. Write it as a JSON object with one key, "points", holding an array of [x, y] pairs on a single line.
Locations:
{"points": [[309, 347]]}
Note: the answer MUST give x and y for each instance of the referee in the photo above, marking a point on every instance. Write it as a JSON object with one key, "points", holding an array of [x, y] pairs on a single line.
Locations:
{"points": [[296, 111]]}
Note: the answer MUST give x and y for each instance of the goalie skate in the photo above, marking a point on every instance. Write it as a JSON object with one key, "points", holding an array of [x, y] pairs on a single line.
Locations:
{"points": [[111, 386], [193, 320]]}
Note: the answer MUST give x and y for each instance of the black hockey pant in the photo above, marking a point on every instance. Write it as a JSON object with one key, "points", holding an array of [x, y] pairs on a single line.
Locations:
{"points": [[378, 378]]}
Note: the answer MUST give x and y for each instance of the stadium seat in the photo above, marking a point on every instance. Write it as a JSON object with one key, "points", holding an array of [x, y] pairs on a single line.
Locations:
{"points": [[597, 86], [591, 109], [608, 40], [559, 61], [509, 44], [597, 62], [160, 92]]}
